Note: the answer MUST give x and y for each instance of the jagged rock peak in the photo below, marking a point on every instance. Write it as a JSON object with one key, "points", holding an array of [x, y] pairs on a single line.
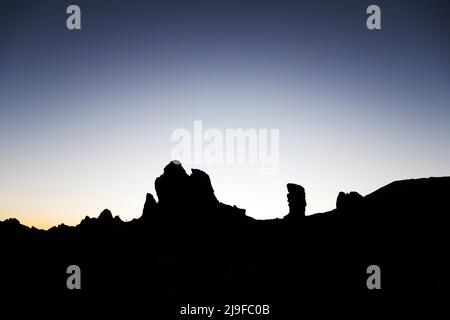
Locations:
{"points": [[175, 188], [172, 185], [12, 221], [149, 206], [175, 168], [201, 183]]}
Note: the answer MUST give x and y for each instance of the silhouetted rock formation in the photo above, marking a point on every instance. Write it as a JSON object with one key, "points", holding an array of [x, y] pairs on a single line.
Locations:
{"points": [[348, 201], [149, 207], [201, 185], [175, 188], [11, 222], [172, 187], [188, 246], [105, 216], [296, 200]]}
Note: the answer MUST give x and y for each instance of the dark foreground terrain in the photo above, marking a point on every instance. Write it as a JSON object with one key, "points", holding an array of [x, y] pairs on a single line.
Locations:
{"points": [[189, 247]]}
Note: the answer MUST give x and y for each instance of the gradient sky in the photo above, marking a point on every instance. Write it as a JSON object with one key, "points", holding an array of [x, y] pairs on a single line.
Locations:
{"points": [[86, 116]]}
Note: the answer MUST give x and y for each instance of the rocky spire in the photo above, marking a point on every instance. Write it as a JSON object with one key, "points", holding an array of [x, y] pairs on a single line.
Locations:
{"points": [[296, 200]]}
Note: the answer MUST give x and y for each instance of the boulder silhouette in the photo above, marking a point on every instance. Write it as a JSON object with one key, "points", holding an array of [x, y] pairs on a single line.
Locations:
{"points": [[105, 216], [348, 201]]}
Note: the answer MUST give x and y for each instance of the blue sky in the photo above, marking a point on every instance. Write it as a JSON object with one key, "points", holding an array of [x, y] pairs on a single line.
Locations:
{"points": [[86, 116]]}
